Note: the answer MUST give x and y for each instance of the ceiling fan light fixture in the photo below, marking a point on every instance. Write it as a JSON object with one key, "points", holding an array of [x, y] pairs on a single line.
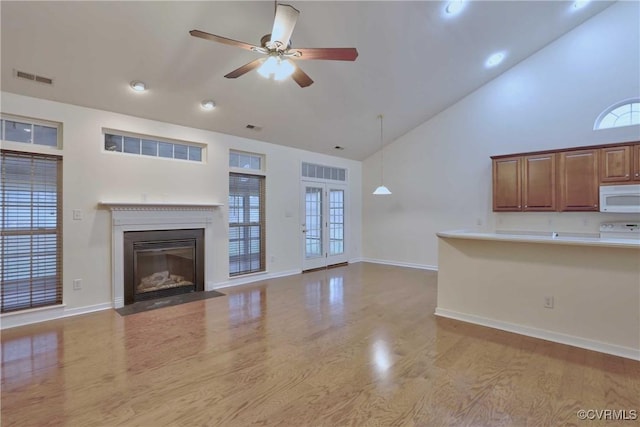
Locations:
{"points": [[277, 68], [284, 70], [268, 67]]}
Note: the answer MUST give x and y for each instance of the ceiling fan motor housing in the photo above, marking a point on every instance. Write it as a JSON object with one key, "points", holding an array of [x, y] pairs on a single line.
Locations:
{"points": [[265, 42]]}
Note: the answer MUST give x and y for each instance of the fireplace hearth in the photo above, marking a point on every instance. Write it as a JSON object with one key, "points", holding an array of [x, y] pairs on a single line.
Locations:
{"points": [[161, 263]]}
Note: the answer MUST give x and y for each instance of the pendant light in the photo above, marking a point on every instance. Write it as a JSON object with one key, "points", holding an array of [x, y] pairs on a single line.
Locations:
{"points": [[381, 190]]}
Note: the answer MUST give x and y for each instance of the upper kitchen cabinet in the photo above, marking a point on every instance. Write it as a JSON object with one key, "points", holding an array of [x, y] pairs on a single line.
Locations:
{"points": [[578, 180], [524, 183], [562, 180], [616, 164], [636, 162], [539, 182], [507, 187]]}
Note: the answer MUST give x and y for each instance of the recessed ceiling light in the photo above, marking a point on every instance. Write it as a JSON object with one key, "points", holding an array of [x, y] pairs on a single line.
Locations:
{"points": [[454, 7], [494, 59], [208, 105], [579, 4], [138, 86]]}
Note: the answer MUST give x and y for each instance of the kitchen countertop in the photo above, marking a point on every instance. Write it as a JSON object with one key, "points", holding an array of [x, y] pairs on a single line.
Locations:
{"points": [[547, 238]]}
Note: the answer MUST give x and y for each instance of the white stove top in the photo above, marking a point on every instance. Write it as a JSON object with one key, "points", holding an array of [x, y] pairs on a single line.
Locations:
{"points": [[620, 230]]}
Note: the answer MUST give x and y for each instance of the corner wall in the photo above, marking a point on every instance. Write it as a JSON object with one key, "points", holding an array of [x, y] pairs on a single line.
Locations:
{"points": [[440, 172]]}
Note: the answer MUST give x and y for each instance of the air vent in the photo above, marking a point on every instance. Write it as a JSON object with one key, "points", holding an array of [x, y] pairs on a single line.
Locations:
{"points": [[254, 127], [33, 77]]}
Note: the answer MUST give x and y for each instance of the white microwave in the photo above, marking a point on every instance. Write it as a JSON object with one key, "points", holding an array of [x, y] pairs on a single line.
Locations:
{"points": [[620, 198]]}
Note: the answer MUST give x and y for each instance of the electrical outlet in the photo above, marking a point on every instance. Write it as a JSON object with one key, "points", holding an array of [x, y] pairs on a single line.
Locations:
{"points": [[77, 284], [548, 302], [77, 214]]}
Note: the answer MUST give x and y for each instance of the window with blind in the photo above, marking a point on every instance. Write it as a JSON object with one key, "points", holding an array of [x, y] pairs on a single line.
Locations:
{"points": [[31, 232], [246, 224]]}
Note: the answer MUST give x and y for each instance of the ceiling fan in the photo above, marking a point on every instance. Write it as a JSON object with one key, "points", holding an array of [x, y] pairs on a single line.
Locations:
{"points": [[277, 47]]}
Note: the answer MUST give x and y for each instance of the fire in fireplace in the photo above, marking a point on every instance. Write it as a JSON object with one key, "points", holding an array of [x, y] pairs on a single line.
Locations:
{"points": [[161, 263]]}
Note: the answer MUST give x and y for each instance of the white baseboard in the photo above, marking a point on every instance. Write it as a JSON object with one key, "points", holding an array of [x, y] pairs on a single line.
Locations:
{"points": [[401, 264], [616, 350], [243, 280], [43, 314]]}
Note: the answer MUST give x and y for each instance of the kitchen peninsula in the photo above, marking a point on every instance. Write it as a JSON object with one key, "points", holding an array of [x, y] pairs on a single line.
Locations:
{"points": [[577, 290]]}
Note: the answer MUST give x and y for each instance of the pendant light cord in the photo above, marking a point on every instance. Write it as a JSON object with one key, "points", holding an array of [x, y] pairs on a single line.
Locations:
{"points": [[381, 153]]}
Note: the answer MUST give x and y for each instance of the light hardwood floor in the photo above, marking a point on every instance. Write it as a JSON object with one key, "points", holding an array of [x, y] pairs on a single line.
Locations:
{"points": [[351, 346]]}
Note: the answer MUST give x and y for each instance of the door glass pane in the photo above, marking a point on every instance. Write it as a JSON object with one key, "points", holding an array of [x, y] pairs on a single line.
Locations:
{"points": [[336, 222], [313, 221]]}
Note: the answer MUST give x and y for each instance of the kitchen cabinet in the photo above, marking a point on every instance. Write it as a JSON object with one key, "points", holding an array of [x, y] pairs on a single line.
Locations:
{"points": [[524, 183], [636, 163], [507, 187], [539, 182], [578, 180], [616, 164], [562, 180]]}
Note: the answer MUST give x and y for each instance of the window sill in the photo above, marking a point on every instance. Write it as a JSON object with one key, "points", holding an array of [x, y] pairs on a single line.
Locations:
{"points": [[241, 276]]}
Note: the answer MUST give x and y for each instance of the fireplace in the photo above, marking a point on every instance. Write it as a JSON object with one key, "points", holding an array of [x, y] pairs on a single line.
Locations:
{"points": [[162, 263], [129, 217]]}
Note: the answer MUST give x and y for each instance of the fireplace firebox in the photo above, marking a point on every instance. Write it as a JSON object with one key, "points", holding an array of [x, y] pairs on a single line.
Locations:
{"points": [[162, 263]]}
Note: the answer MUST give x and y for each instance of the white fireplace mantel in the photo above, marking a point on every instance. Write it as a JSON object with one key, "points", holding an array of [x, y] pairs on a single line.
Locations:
{"points": [[144, 206], [131, 216]]}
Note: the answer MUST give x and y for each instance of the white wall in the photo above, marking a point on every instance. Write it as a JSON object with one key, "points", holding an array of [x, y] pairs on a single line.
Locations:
{"points": [[440, 172], [91, 175]]}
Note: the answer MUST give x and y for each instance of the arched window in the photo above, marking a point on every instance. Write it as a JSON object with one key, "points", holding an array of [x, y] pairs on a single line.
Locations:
{"points": [[624, 113]]}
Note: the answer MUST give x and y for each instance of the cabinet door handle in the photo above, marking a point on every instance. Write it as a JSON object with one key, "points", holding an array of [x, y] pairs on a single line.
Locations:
{"points": [[526, 206], [595, 206], [638, 174], [628, 175]]}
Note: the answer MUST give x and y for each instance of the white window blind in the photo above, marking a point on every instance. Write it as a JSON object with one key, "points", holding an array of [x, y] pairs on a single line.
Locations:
{"points": [[30, 225], [246, 224]]}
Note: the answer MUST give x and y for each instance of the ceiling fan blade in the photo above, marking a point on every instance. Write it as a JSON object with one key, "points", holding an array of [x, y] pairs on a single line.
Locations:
{"points": [[244, 69], [283, 24], [223, 40], [301, 78], [331, 53]]}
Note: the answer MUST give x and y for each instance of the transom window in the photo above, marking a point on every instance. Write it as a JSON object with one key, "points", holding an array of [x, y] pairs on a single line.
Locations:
{"points": [[310, 170], [242, 160], [121, 143], [30, 131], [624, 113]]}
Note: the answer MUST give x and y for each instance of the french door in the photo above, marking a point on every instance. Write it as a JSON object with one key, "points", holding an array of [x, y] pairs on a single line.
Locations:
{"points": [[324, 224]]}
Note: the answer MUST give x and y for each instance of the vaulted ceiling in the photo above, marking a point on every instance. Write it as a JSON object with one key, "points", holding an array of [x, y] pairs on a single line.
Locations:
{"points": [[414, 61]]}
